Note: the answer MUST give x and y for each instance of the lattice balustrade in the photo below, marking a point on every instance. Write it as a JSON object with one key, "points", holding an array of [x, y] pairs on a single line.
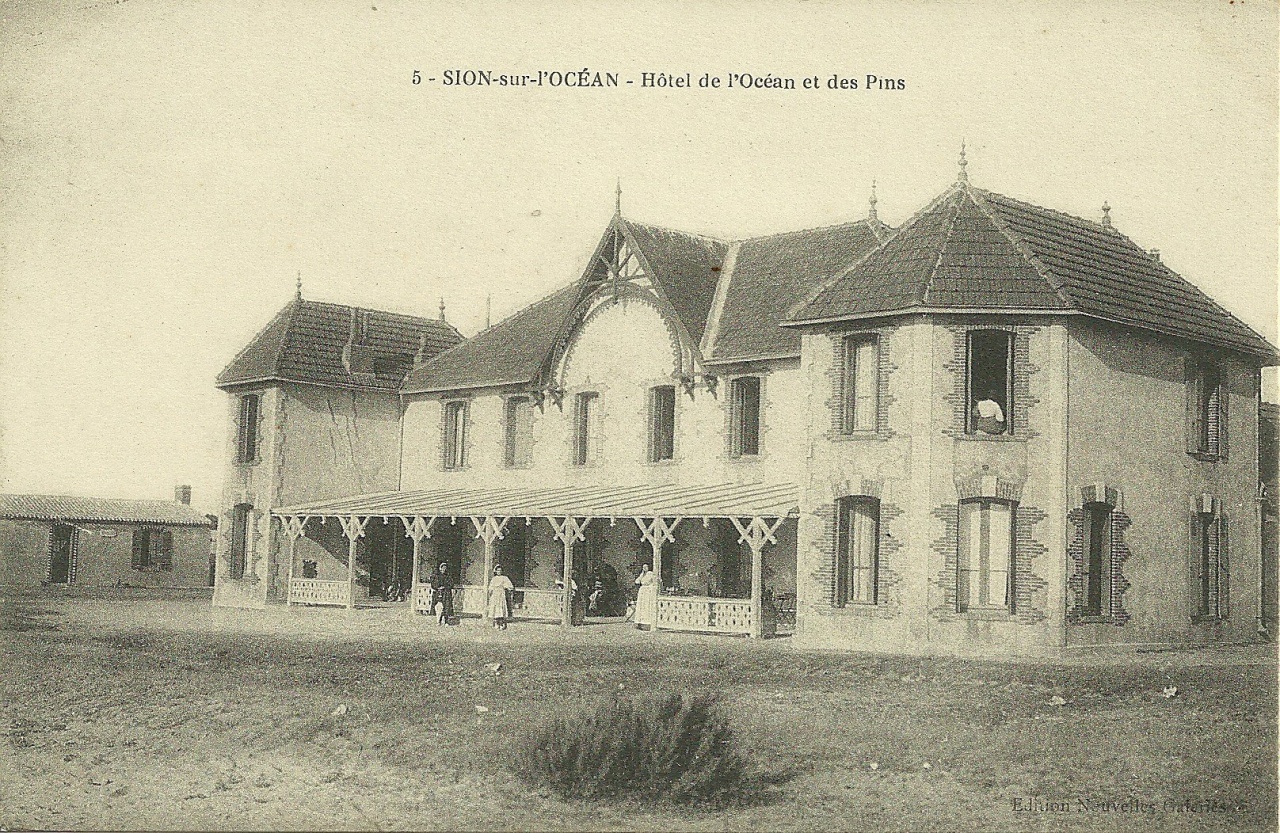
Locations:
{"points": [[696, 613], [539, 604], [313, 591], [422, 598]]}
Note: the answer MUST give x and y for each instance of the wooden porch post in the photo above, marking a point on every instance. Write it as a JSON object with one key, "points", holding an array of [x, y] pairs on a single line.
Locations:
{"points": [[567, 533], [657, 533], [295, 528], [755, 534], [353, 528], [417, 529], [489, 529]]}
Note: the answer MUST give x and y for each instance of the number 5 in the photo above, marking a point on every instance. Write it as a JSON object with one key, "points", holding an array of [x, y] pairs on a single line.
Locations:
{"points": [[417, 78]]}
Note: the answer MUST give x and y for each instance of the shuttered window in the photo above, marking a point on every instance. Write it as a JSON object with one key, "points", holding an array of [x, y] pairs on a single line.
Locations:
{"points": [[455, 435], [984, 578], [247, 429], [861, 383], [239, 553], [662, 423], [586, 416], [518, 430], [857, 557], [1210, 572], [152, 549], [744, 416]]}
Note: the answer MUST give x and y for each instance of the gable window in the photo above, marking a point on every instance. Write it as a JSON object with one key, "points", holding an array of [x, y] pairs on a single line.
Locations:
{"points": [[744, 416], [1095, 598], [858, 550], [455, 435], [861, 383], [247, 430], [1210, 578], [586, 416], [239, 553], [984, 566], [1209, 428], [662, 423], [152, 549], [989, 382], [518, 428]]}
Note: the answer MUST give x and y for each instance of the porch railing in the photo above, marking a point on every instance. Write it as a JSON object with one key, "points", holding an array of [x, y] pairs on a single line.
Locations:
{"points": [[701, 613], [314, 591], [469, 600]]}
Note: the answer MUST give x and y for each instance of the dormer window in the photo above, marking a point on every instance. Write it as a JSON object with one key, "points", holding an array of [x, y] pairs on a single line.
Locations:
{"points": [[989, 382]]}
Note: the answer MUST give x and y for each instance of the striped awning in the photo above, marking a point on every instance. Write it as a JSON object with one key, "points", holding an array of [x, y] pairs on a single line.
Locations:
{"points": [[723, 500]]}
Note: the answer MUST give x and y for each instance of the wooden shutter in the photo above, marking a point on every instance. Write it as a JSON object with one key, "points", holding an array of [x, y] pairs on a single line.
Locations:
{"points": [[1195, 551], [139, 545], [1224, 569], [1195, 421], [165, 560], [1223, 397]]}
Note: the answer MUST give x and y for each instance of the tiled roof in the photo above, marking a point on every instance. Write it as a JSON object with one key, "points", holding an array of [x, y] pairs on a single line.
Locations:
{"points": [[510, 352], [306, 341], [973, 249], [104, 510], [771, 274], [686, 267]]}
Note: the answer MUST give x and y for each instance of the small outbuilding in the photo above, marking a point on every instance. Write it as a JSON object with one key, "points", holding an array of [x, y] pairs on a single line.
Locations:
{"points": [[58, 540]]}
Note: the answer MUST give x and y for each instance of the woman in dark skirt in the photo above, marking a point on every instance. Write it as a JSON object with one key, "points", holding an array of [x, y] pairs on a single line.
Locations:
{"points": [[442, 595]]}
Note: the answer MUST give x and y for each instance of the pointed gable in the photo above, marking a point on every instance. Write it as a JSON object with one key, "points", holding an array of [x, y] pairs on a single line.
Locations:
{"points": [[770, 275], [975, 250], [686, 268], [306, 342]]}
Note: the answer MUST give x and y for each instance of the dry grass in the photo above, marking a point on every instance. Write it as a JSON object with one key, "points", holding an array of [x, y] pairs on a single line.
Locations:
{"points": [[177, 718]]}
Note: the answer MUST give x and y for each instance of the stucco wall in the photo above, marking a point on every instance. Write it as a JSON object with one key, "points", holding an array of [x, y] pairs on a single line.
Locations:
{"points": [[1128, 430], [313, 443], [621, 351], [103, 555], [918, 464]]}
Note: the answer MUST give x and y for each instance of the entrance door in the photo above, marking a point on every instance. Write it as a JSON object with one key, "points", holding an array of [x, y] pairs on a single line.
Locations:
{"points": [[390, 560], [60, 551]]}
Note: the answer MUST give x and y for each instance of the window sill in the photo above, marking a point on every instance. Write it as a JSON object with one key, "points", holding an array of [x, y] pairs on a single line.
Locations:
{"points": [[1093, 619], [1206, 456], [744, 458], [661, 463], [858, 609], [1208, 620], [847, 436], [993, 615], [990, 438]]}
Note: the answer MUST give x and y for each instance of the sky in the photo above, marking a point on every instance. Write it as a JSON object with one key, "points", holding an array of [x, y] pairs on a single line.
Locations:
{"points": [[168, 169]]}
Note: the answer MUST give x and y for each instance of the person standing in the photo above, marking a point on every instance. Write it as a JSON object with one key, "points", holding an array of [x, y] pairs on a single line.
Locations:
{"points": [[646, 598], [442, 595], [500, 590]]}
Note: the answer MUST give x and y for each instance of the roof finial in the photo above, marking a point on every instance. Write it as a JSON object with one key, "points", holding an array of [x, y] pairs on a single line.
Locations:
{"points": [[488, 311], [441, 307], [617, 203], [964, 163], [871, 215], [298, 294], [1106, 215]]}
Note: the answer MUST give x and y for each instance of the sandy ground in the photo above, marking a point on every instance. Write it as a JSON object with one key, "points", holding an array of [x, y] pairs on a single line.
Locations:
{"points": [[126, 710]]}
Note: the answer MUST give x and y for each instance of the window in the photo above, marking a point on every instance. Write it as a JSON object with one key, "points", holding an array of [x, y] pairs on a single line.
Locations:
{"points": [[861, 383], [984, 577], [989, 382], [1209, 561], [518, 429], [1095, 598], [247, 433], [455, 435], [1210, 411], [662, 423], [152, 549], [744, 416], [239, 555], [857, 556], [586, 416]]}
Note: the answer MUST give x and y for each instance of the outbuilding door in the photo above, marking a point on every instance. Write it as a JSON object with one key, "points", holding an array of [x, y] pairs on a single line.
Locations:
{"points": [[60, 553]]}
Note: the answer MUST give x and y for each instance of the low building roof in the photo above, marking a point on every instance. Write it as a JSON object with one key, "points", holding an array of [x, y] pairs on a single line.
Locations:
{"points": [[718, 500], [99, 510], [974, 250], [306, 342]]}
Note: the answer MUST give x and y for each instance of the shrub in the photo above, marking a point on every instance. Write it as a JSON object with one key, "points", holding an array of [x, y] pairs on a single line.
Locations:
{"points": [[667, 747]]}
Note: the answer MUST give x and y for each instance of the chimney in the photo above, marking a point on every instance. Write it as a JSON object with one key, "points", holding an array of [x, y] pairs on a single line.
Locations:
{"points": [[1155, 255], [182, 494]]}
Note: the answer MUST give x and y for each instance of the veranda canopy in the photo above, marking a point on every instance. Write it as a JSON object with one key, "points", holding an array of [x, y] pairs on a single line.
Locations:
{"points": [[723, 500]]}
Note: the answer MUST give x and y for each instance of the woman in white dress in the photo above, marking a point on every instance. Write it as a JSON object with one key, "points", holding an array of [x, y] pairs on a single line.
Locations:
{"points": [[647, 598], [500, 589]]}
